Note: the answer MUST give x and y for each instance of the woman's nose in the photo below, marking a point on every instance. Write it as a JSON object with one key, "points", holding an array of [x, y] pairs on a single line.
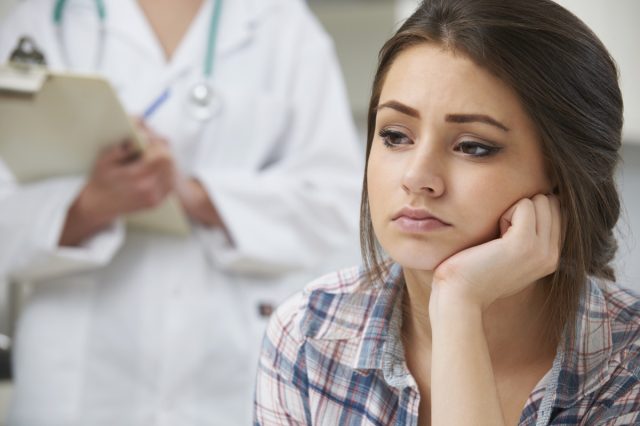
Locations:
{"points": [[423, 175]]}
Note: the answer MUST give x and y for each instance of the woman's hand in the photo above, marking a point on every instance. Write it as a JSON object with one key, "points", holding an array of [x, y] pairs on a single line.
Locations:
{"points": [[191, 193], [463, 385], [195, 200], [527, 250], [122, 181], [119, 187]]}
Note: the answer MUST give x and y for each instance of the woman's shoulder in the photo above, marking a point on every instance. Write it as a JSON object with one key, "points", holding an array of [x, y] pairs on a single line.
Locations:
{"points": [[611, 358], [623, 314], [623, 311]]}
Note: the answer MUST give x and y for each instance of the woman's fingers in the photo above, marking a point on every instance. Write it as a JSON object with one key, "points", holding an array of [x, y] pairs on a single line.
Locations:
{"points": [[535, 228], [548, 229], [556, 226], [542, 207], [505, 220], [115, 154], [522, 218]]}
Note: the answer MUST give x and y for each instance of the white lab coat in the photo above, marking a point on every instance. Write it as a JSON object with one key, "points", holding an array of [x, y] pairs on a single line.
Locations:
{"points": [[135, 328]]}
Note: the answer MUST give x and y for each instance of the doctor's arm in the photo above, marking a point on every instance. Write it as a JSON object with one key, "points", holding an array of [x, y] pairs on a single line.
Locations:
{"points": [[122, 181], [192, 195], [34, 214], [63, 225]]}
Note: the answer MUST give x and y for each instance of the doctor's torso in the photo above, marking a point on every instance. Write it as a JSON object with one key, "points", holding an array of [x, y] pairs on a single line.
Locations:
{"points": [[161, 328]]}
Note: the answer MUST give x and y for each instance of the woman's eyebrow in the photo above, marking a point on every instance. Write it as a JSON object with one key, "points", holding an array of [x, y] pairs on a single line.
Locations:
{"points": [[475, 118], [400, 107]]}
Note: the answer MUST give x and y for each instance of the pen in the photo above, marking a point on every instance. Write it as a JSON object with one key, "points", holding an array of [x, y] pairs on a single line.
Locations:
{"points": [[155, 104]]}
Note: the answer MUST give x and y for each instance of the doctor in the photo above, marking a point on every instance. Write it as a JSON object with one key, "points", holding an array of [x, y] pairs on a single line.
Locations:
{"points": [[249, 125]]}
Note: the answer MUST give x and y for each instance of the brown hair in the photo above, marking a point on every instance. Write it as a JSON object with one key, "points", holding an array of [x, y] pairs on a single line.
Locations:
{"points": [[568, 84]]}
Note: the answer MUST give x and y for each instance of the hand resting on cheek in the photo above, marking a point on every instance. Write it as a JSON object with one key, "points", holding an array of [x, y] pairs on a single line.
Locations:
{"points": [[527, 250]]}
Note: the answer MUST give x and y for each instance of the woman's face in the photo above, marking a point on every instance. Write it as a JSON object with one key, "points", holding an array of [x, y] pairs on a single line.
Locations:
{"points": [[453, 151]]}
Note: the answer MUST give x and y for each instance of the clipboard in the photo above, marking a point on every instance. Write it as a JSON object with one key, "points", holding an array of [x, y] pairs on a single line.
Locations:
{"points": [[55, 124]]}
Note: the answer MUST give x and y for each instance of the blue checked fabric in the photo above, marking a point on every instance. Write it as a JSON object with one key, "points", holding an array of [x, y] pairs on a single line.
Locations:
{"points": [[332, 355]]}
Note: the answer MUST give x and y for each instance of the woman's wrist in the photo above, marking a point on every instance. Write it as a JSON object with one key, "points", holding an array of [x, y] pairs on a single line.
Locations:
{"points": [[85, 217], [196, 202], [448, 304]]}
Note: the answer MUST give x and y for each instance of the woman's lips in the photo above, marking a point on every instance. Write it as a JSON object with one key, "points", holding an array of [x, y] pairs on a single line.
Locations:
{"points": [[408, 224], [414, 220]]}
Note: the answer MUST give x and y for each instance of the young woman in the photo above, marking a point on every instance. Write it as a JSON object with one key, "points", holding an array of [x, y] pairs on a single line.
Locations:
{"points": [[494, 131]]}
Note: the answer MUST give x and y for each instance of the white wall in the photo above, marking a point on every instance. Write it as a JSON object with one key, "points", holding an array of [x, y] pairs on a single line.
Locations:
{"points": [[359, 29], [628, 259]]}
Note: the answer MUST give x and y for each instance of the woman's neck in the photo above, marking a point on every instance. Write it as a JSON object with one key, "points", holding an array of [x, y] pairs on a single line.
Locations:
{"points": [[170, 20], [514, 326]]}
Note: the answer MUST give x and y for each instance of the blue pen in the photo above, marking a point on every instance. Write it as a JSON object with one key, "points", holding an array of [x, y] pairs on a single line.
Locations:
{"points": [[155, 104]]}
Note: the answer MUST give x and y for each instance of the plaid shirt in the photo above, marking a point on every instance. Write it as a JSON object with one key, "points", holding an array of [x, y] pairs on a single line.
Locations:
{"points": [[332, 355]]}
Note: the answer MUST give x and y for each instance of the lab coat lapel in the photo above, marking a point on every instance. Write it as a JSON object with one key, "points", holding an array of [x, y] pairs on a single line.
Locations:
{"points": [[127, 19], [235, 25], [239, 18]]}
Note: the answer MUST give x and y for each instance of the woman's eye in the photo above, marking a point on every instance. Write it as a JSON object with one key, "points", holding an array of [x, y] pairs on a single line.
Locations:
{"points": [[393, 138], [476, 149]]}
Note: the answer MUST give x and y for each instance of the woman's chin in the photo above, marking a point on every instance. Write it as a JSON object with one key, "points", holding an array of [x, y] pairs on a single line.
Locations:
{"points": [[419, 261]]}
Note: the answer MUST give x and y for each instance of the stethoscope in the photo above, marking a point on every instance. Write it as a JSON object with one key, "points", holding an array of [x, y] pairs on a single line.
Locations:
{"points": [[204, 101]]}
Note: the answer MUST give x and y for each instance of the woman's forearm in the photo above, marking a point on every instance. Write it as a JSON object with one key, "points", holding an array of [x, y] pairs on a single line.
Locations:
{"points": [[463, 387], [197, 204], [82, 221]]}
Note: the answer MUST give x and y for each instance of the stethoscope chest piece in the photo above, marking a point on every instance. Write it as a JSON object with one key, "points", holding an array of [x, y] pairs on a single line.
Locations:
{"points": [[204, 101]]}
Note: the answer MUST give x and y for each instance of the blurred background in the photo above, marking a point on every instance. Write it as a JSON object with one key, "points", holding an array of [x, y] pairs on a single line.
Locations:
{"points": [[360, 27]]}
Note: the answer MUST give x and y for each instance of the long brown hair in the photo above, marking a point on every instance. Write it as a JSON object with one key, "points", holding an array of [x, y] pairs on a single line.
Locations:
{"points": [[568, 84]]}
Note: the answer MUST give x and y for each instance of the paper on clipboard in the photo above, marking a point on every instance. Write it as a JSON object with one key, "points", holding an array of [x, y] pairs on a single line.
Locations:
{"points": [[54, 124]]}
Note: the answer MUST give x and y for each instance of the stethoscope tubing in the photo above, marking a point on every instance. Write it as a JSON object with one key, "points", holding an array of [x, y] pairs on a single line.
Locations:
{"points": [[58, 19], [204, 98]]}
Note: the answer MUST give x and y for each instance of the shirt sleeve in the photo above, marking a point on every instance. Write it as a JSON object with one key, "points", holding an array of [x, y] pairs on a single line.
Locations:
{"points": [[33, 215], [281, 395], [304, 204], [32, 220]]}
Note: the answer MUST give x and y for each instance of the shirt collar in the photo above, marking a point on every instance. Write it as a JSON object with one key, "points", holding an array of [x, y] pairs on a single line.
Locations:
{"points": [[380, 343], [583, 364], [356, 310], [381, 346]]}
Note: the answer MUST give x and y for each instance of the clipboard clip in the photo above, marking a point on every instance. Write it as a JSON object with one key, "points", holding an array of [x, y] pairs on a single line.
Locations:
{"points": [[26, 70], [27, 53]]}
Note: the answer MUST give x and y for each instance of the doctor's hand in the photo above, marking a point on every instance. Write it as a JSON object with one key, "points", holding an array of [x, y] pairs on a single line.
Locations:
{"points": [[191, 193], [527, 250], [122, 181]]}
